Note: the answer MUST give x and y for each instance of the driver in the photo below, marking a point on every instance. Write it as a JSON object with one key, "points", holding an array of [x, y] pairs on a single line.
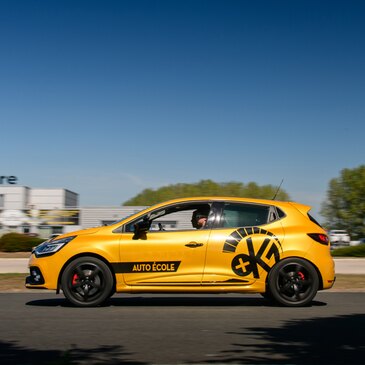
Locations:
{"points": [[199, 219]]}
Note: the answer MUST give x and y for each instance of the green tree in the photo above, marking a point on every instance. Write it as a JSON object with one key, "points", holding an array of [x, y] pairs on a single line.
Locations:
{"points": [[206, 188], [345, 204]]}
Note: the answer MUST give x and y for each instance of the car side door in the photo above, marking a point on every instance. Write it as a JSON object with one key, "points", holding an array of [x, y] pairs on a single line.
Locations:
{"points": [[244, 244], [164, 257]]}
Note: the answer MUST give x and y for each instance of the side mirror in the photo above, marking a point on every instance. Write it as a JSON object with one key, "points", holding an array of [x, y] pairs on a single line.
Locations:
{"points": [[140, 229]]}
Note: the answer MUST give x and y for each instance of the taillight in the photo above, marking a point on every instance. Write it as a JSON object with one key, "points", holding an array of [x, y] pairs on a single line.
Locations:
{"points": [[320, 238]]}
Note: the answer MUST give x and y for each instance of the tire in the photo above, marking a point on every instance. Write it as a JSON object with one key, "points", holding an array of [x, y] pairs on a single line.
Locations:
{"points": [[293, 282], [87, 282]]}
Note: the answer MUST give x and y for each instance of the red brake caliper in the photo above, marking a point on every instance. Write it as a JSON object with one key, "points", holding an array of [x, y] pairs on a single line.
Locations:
{"points": [[75, 279], [301, 275]]}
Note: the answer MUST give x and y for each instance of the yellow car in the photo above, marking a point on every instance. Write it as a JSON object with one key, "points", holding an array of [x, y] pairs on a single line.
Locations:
{"points": [[192, 245]]}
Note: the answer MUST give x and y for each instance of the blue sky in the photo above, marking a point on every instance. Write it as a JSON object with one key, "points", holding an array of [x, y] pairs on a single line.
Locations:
{"points": [[107, 98]]}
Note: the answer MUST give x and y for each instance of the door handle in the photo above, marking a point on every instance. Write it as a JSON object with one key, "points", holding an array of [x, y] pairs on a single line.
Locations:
{"points": [[194, 244]]}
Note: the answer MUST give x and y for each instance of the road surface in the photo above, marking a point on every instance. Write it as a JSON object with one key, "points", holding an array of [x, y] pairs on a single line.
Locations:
{"points": [[147, 329]]}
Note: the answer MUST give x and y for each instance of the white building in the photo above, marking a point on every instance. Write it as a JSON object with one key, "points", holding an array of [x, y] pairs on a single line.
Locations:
{"points": [[51, 211], [99, 216], [38, 211], [23, 198], [54, 211]]}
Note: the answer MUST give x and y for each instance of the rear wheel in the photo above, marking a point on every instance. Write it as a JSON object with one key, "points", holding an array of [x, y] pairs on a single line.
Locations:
{"points": [[293, 282], [87, 282]]}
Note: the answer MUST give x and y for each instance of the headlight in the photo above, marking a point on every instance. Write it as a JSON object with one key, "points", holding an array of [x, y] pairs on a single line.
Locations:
{"points": [[51, 247]]}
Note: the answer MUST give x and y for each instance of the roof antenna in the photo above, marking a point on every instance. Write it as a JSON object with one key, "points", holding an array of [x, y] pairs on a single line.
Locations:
{"points": [[282, 180]]}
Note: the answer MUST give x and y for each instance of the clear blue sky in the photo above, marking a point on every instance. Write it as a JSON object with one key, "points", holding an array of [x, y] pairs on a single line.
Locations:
{"points": [[107, 98]]}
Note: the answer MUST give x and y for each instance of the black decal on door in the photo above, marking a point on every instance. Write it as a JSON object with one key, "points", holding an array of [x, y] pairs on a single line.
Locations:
{"points": [[248, 263], [150, 266]]}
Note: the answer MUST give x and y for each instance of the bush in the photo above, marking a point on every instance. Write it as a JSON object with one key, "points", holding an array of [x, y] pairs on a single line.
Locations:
{"points": [[351, 251], [16, 242]]}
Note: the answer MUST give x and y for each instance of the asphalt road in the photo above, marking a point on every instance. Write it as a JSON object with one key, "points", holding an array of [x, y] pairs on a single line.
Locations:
{"points": [[39, 328]]}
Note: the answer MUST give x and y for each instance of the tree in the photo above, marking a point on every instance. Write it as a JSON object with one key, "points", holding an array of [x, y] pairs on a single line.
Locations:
{"points": [[345, 204], [206, 188]]}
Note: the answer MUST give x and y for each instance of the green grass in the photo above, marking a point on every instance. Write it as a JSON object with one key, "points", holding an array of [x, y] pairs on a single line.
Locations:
{"points": [[12, 281]]}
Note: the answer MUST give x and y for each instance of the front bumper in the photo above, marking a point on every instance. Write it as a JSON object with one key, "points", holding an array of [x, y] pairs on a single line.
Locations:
{"points": [[35, 277], [43, 272]]}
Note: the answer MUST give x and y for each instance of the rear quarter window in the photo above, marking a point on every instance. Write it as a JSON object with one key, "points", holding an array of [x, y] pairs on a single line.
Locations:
{"points": [[313, 220]]}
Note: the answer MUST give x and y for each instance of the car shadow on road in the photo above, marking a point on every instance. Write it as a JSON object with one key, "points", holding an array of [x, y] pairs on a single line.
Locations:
{"points": [[171, 301], [13, 354], [332, 340]]}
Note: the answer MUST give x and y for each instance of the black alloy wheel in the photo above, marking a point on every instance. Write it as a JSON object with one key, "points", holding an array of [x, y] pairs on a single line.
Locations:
{"points": [[87, 282], [293, 282]]}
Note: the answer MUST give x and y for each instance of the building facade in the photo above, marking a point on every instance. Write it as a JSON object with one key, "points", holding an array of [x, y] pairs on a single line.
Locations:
{"points": [[37, 211], [44, 212]]}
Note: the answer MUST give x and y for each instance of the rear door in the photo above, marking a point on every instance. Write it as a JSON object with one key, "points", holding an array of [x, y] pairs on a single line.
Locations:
{"points": [[244, 245]]}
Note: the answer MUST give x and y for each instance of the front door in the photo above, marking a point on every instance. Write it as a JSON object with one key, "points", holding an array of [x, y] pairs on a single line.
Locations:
{"points": [[164, 258]]}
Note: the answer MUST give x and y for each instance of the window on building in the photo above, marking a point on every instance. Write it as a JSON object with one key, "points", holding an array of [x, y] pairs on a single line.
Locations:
{"points": [[57, 230], [107, 222]]}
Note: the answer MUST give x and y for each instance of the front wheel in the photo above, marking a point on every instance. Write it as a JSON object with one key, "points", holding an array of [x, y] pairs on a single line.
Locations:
{"points": [[87, 282], [293, 282]]}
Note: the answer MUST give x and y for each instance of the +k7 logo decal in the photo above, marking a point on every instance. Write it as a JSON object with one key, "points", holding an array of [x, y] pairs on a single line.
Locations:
{"points": [[248, 263]]}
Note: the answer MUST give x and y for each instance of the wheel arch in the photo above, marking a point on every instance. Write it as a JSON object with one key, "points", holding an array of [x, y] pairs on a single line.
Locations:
{"points": [[320, 279], [85, 254]]}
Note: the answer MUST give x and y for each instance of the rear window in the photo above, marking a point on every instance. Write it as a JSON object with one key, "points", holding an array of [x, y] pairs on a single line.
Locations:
{"points": [[313, 220], [244, 215]]}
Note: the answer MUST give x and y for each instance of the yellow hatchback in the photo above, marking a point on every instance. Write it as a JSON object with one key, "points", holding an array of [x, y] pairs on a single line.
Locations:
{"points": [[192, 245]]}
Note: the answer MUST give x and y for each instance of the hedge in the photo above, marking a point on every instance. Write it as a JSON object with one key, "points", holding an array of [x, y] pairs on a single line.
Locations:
{"points": [[351, 251], [16, 242]]}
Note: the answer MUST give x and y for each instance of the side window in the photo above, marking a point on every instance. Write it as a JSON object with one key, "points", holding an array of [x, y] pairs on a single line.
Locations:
{"points": [[244, 215], [172, 218], [130, 226]]}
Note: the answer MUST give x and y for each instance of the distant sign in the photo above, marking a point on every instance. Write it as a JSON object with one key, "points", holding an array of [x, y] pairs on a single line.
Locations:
{"points": [[8, 180], [56, 217], [12, 218]]}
